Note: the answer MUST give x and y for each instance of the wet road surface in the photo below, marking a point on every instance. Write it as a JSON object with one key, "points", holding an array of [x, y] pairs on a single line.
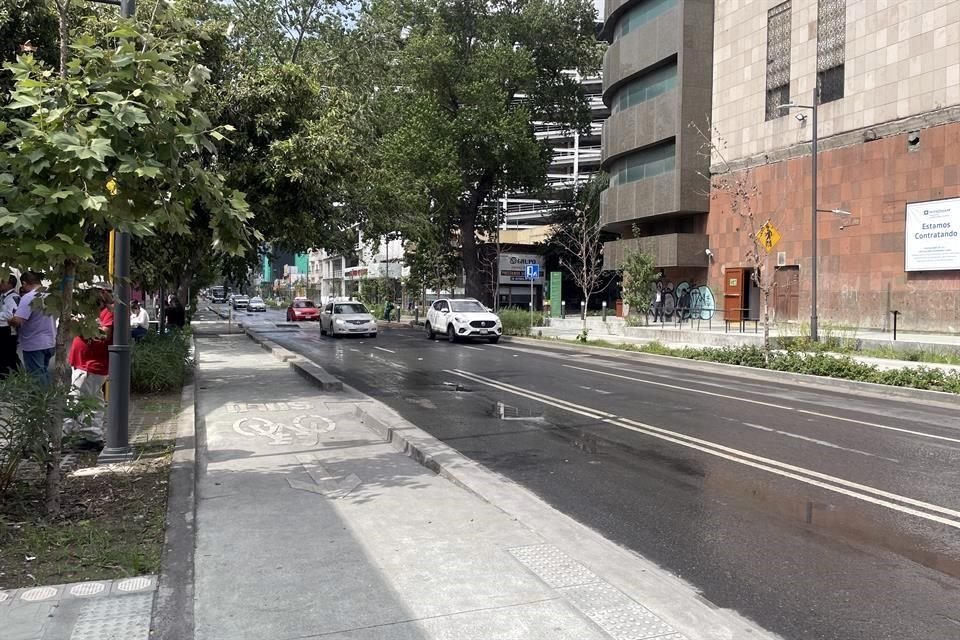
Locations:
{"points": [[817, 514]]}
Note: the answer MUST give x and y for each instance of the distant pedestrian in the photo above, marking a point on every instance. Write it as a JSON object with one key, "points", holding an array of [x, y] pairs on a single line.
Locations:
{"points": [[658, 304], [9, 300], [36, 330], [90, 360], [175, 314], [139, 320]]}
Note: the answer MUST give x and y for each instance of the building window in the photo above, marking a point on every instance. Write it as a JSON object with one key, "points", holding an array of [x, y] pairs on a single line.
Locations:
{"points": [[778, 59], [644, 164], [643, 13], [646, 88], [831, 47]]}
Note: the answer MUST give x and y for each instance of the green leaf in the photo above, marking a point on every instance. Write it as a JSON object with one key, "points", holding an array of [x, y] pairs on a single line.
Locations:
{"points": [[65, 238], [44, 247]]}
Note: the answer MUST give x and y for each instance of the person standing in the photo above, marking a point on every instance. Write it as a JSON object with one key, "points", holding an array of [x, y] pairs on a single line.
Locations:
{"points": [[90, 360], [36, 330], [139, 320], [9, 300], [175, 313]]}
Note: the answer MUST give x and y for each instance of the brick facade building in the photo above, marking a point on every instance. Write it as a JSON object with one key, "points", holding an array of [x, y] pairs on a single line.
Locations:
{"points": [[888, 79]]}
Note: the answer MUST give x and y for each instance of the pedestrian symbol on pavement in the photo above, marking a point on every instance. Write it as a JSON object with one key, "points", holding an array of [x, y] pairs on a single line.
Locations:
{"points": [[533, 272], [768, 236]]}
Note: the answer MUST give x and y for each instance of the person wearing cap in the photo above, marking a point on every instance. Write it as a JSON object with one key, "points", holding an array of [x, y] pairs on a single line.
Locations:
{"points": [[139, 320], [90, 359], [36, 330], [9, 301]]}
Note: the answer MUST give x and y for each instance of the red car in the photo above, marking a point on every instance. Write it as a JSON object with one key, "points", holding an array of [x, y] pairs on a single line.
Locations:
{"points": [[302, 310]]}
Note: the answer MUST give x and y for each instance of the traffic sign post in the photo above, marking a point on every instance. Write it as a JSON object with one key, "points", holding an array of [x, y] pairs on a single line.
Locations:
{"points": [[533, 272]]}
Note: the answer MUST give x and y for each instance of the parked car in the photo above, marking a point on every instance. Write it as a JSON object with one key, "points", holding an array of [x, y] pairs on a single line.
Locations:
{"points": [[347, 318], [240, 302], [256, 304], [462, 318], [302, 309]]}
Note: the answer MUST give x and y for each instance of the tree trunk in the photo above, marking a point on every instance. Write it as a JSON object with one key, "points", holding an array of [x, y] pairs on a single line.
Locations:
{"points": [[63, 12], [473, 286], [766, 325], [61, 382], [586, 303], [162, 311]]}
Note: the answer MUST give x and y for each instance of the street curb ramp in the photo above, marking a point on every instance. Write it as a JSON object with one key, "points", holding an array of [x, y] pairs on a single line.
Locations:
{"points": [[666, 595], [305, 368]]}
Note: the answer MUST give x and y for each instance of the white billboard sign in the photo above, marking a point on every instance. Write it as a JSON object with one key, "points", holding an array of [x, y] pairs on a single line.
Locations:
{"points": [[513, 268], [933, 236]]}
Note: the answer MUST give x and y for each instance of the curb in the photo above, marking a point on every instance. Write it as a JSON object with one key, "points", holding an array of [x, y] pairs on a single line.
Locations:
{"points": [[800, 379], [304, 367], [172, 617], [666, 594]]}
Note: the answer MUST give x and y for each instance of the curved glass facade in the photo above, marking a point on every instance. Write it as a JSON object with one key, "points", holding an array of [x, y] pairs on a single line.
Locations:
{"points": [[641, 14], [646, 87], [644, 164]]}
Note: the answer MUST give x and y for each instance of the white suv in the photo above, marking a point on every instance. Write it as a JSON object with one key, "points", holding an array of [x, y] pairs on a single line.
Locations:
{"points": [[462, 318]]}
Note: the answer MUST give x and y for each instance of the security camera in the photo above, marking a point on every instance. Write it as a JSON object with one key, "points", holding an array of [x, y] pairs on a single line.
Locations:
{"points": [[800, 117], [708, 252]]}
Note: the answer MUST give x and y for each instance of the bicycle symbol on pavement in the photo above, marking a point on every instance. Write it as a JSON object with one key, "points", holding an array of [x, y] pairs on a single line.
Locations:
{"points": [[302, 429]]}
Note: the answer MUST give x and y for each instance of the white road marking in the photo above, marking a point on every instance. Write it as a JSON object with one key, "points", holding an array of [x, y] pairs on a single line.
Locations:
{"points": [[772, 405], [474, 348], [382, 349], [419, 358], [354, 350], [814, 478], [600, 391], [823, 443]]}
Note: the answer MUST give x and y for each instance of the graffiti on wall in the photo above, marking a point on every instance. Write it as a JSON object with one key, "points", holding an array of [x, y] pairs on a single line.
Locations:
{"points": [[686, 301]]}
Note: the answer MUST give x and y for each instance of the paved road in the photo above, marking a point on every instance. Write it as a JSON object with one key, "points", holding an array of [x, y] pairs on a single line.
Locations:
{"points": [[818, 514]]}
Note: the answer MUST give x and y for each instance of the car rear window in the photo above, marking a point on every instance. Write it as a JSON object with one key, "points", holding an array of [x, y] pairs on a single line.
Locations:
{"points": [[350, 308], [304, 304]]}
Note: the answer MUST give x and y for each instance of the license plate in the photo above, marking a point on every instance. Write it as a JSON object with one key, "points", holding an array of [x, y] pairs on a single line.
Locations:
{"points": [[483, 332]]}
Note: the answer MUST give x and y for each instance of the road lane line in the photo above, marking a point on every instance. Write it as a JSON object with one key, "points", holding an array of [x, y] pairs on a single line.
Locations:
{"points": [[813, 478], [382, 349], [772, 405], [466, 346], [823, 443]]}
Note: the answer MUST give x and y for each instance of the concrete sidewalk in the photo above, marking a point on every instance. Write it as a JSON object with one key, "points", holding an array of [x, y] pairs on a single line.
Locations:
{"points": [[312, 522]]}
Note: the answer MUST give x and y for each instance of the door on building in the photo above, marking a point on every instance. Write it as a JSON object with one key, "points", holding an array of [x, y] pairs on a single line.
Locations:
{"points": [[786, 293], [734, 294]]}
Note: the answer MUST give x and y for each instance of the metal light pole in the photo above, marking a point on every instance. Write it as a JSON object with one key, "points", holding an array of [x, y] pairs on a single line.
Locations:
{"points": [[814, 209], [814, 334], [118, 408]]}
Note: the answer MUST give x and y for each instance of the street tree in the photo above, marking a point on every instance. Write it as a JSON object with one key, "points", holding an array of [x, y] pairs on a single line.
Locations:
{"points": [[578, 234], [737, 194], [111, 142], [639, 276], [458, 86]]}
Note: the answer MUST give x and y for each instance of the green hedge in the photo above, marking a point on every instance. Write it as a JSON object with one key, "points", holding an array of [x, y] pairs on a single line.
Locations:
{"points": [[160, 362], [516, 322], [818, 364]]}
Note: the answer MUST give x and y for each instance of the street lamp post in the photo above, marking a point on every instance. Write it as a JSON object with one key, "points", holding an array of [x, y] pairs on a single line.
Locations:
{"points": [[117, 445], [814, 209]]}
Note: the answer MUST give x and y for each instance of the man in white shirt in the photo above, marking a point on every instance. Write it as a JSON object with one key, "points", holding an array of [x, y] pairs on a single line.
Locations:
{"points": [[139, 320], [9, 300]]}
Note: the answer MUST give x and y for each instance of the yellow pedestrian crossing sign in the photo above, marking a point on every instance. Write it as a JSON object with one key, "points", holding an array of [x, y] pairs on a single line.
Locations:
{"points": [[768, 236]]}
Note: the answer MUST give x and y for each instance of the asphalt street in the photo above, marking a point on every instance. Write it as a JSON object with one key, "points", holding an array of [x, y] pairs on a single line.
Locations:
{"points": [[817, 513]]}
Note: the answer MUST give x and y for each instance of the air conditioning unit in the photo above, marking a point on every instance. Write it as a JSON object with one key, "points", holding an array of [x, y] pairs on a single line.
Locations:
{"points": [[781, 258]]}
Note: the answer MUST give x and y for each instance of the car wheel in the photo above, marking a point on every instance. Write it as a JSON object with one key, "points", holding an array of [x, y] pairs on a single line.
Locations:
{"points": [[495, 340], [451, 334], [372, 335], [430, 334], [323, 331]]}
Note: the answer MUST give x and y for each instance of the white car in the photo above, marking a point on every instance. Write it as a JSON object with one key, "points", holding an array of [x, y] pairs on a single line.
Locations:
{"points": [[462, 318], [347, 318]]}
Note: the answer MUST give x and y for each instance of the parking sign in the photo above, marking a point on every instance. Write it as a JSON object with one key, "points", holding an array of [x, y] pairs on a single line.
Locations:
{"points": [[533, 271]]}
